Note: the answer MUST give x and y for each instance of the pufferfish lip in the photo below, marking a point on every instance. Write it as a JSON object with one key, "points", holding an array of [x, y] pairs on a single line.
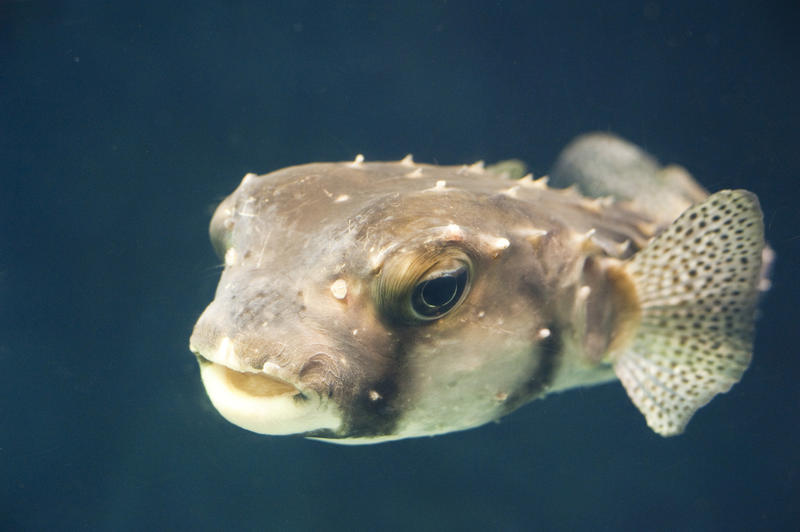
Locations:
{"points": [[256, 384], [265, 403]]}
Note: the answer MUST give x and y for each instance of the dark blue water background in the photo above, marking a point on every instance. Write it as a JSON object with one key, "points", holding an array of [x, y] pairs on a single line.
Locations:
{"points": [[123, 123]]}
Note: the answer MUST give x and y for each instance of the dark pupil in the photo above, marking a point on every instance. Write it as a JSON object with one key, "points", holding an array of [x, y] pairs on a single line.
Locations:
{"points": [[440, 291], [436, 296]]}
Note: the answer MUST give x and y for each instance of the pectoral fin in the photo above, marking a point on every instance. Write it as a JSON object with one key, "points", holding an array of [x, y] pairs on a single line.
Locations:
{"points": [[697, 285]]}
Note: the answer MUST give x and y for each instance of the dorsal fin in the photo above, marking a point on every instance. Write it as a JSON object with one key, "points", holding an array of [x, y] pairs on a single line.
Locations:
{"points": [[600, 164], [697, 285], [508, 169]]}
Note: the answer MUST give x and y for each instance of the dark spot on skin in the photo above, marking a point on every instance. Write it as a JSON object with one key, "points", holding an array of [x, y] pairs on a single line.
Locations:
{"points": [[365, 417], [549, 351]]}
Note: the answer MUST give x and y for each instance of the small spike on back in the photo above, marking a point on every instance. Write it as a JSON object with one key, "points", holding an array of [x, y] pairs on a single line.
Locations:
{"points": [[596, 205], [646, 228], [587, 243], [531, 234], [622, 249], [530, 182], [477, 167], [358, 161], [495, 244], [571, 190]]}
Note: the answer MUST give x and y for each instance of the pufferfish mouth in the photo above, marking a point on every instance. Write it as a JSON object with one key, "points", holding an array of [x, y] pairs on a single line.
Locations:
{"points": [[254, 384], [263, 402]]}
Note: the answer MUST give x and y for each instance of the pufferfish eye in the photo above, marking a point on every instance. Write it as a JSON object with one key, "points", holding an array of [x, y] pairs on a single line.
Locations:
{"points": [[423, 286], [438, 293]]}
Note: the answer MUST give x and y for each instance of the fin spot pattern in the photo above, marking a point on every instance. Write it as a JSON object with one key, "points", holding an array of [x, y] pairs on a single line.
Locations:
{"points": [[698, 300]]}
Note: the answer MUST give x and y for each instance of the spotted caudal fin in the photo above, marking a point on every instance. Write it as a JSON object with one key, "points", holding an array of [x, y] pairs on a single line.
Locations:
{"points": [[601, 164], [697, 284]]}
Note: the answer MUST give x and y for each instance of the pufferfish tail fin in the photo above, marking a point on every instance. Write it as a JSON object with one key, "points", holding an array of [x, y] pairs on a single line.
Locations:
{"points": [[698, 285], [601, 164]]}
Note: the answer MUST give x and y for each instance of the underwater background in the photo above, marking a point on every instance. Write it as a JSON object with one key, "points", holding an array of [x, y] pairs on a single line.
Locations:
{"points": [[122, 124]]}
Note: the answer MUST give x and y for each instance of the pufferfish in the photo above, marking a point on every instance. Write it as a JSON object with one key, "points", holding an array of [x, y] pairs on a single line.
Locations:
{"points": [[362, 302]]}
